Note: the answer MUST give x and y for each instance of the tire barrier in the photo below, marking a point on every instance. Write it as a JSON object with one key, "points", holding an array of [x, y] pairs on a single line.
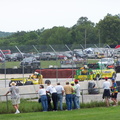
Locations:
{"points": [[57, 73], [16, 71], [117, 69], [47, 73]]}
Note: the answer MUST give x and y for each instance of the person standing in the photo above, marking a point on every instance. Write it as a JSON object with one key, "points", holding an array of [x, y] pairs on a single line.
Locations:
{"points": [[51, 89], [114, 92], [15, 97], [73, 96], [43, 97], [68, 92], [77, 93], [60, 91], [106, 93]]}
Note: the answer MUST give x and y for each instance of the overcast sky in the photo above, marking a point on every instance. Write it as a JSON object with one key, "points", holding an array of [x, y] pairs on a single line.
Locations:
{"points": [[28, 15]]}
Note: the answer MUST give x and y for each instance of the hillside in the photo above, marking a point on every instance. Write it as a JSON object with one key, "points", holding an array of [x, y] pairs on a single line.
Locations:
{"points": [[5, 34]]}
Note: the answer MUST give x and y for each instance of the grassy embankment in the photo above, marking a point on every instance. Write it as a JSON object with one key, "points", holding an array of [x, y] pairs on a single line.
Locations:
{"points": [[97, 113]]}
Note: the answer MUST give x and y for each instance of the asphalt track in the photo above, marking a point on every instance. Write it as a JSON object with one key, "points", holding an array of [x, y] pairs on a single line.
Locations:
{"points": [[5, 79]]}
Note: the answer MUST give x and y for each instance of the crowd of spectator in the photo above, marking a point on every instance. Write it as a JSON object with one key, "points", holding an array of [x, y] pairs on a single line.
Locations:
{"points": [[54, 94]]}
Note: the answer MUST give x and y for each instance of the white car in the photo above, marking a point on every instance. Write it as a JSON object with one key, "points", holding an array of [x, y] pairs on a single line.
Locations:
{"points": [[106, 61]]}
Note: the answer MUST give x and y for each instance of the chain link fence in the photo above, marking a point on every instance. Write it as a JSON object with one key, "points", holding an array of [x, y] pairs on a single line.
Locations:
{"points": [[16, 59], [52, 55]]}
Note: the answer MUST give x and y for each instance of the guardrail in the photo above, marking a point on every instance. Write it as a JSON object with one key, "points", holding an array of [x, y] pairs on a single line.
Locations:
{"points": [[84, 98]]}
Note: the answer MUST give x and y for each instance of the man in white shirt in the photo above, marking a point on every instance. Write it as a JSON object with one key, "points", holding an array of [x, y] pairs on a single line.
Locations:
{"points": [[60, 91], [106, 93], [51, 89], [77, 93]]}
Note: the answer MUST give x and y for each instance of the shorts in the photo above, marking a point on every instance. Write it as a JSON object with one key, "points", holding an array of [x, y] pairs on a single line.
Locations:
{"points": [[106, 93], [114, 95], [15, 101]]}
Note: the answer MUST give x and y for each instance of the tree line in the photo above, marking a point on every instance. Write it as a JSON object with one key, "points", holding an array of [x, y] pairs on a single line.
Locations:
{"points": [[106, 31]]}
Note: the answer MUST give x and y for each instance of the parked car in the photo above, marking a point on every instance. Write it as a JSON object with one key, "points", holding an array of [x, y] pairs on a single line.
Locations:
{"points": [[60, 56], [10, 57], [106, 61], [37, 56], [30, 62], [100, 55], [14, 57], [80, 54], [2, 59], [116, 54], [68, 55], [48, 56], [91, 55]]}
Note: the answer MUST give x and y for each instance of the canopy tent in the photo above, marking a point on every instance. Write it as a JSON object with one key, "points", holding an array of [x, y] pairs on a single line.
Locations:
{"points": [[118, 46]]}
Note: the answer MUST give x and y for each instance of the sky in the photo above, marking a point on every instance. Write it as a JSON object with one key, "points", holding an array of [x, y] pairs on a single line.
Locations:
{"points": [[29, 15]]}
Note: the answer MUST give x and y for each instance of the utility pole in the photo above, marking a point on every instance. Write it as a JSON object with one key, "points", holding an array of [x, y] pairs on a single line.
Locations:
{"points": [[99, 38], [85, 38]]}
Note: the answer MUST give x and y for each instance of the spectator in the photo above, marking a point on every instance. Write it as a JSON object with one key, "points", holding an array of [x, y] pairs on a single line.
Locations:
{"points": [[15, 97], [77, 93], [73, 95], [49, 101], [114, 92], [106, 93], [50, 89], [60, 91], [43, 96], [68, 91]]}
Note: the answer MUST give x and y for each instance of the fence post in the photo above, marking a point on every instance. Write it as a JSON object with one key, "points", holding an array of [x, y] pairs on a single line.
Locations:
{"points": [[82, 96], [7, 102]]}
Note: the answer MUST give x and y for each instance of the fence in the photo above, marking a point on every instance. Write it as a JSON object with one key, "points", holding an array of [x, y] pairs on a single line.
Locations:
{"points": [[84, 98], [36, 50], [58, 60]]}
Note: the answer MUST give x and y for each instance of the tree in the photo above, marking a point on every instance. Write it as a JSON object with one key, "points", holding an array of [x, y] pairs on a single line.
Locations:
{"points": [[110, 29]]}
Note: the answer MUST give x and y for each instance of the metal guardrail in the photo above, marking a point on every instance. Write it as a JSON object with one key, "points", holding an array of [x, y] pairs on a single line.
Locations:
{"points": [[85, 97]]}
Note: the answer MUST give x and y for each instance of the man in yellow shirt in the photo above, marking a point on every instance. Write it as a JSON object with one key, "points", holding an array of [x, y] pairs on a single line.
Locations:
{"points": [[68, 92]]}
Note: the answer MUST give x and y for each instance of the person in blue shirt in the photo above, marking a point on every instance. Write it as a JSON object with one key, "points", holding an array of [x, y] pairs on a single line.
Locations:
{"points": [[114, 91]]}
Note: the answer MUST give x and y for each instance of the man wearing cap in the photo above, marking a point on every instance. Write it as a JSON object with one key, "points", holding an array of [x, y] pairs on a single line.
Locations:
{"points": [[73, 95], [60, 91], [68, 92], [77, 93], [15, 97], [106, 93]]}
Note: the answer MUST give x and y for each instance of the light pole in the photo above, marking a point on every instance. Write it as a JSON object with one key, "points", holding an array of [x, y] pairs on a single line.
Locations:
{"points": [[85, 38]]}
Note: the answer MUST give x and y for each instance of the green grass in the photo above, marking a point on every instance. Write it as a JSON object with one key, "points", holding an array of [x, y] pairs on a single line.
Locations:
{"points": [[101, 113], [32, 110], [44, 64], [31, 105]]}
